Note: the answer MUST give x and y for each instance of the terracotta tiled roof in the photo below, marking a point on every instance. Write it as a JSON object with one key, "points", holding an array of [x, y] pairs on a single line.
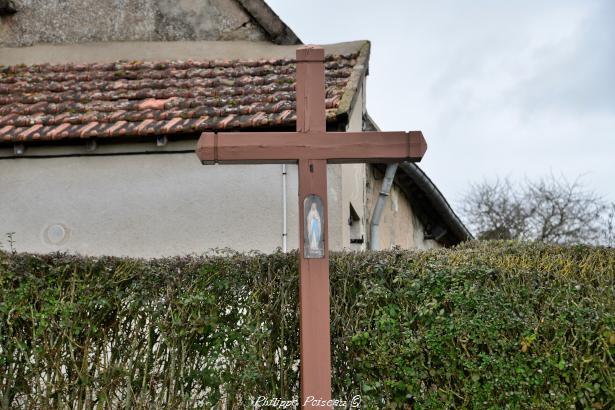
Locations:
{"points": [[53, 102]]}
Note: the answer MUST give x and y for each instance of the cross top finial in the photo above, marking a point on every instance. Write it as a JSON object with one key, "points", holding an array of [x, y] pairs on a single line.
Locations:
{"points": [[310, 52]]}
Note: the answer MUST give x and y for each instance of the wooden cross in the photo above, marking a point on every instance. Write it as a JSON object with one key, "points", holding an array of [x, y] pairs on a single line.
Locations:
{"points": [[312, 148]]}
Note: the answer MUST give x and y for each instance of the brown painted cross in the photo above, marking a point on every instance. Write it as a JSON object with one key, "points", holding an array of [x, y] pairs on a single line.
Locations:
{"points": [[312, 147]]}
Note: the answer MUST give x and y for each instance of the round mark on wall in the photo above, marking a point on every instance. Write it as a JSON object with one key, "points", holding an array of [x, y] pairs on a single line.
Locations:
{"points": [[56, 234]]}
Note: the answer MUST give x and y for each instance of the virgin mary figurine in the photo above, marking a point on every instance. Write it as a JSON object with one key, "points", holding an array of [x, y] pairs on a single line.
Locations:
{"points": [[314, 231]]}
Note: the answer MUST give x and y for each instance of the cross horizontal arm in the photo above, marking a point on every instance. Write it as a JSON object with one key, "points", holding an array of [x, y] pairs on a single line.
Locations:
{"points": [[289, 147]]}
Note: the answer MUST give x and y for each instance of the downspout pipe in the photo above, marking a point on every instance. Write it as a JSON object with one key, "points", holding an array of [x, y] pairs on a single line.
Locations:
{"points": [[387, 183], [284, 206]]}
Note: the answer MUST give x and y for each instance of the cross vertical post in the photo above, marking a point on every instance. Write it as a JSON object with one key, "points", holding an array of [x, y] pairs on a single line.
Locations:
{"points": [[315, 344], [311, 147]]}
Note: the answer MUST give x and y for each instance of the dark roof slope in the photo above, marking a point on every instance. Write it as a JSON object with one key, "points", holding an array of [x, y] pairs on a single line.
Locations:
{"points": [[139, 98]]}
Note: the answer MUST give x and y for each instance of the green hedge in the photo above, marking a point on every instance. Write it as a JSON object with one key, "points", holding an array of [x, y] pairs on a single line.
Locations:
{"points": [[486, 325]]}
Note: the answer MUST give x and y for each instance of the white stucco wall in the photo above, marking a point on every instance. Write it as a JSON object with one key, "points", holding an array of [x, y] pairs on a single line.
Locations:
{"points": [[149, 205], [354, 184], [142, 205]]}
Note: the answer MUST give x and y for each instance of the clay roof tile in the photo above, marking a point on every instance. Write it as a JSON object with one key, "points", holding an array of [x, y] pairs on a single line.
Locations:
{"points": [[125, 99]]}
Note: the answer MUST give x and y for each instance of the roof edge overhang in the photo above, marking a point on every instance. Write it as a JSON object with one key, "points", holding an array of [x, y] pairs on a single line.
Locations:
{"points": [[349, 98]]}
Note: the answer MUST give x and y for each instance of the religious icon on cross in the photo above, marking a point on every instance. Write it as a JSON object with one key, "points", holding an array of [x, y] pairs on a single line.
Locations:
{"points": [[315, 247], [312, 148]]}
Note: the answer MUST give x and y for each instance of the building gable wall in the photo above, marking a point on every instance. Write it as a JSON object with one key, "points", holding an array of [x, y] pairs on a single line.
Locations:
{"points": [[80, 21]]}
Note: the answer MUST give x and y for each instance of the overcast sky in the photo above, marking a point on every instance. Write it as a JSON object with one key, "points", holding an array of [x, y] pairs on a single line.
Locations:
{"points": [[518, 89]]}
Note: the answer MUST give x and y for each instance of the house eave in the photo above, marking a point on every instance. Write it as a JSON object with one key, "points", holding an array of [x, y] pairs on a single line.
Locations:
{"points": [[174, 143]]}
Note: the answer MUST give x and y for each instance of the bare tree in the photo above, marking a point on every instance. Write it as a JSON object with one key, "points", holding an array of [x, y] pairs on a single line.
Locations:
{"points": [[548, 210]]}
